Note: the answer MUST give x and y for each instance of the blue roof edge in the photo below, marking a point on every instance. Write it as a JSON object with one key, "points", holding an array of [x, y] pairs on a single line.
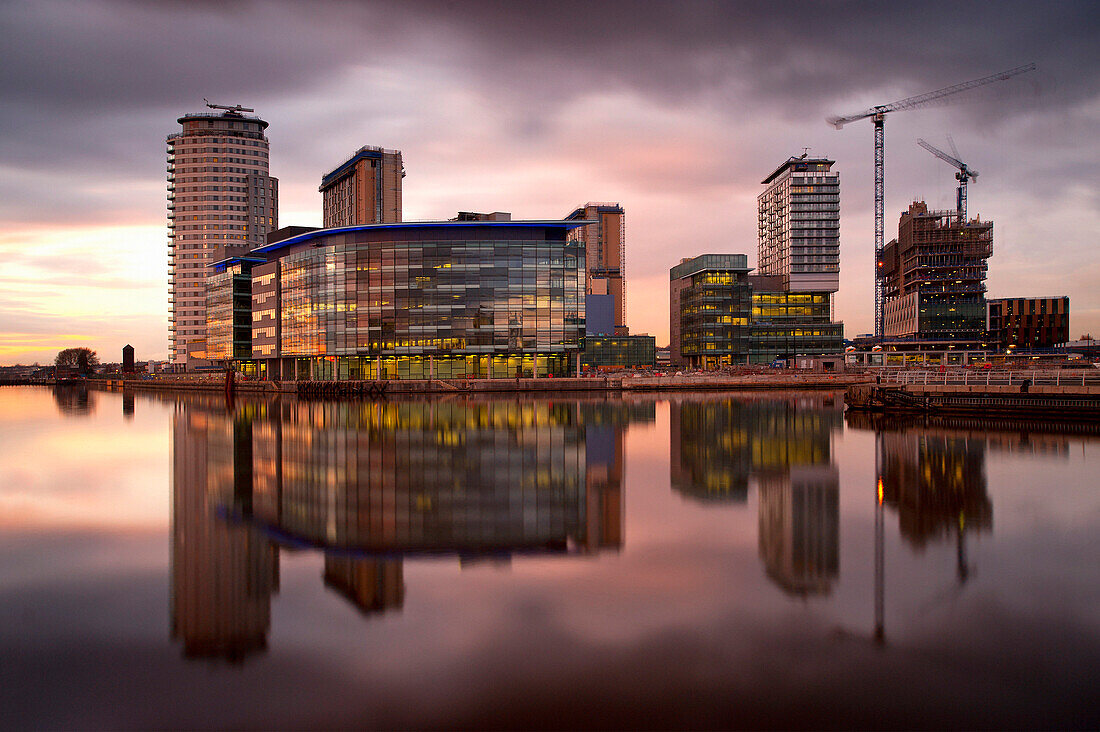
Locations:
{"points": [[547, 224]]}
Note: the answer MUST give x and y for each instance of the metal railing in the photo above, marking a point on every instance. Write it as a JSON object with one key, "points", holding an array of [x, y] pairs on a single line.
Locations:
{"points": [[994, 378]]}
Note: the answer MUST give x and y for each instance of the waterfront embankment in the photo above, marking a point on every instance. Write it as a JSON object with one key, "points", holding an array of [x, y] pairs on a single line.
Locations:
{"points": [[1056, 395], [750, 382]]}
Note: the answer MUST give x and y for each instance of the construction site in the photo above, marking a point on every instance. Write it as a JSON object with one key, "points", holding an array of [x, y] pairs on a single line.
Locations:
{"points": [[934, 277]]}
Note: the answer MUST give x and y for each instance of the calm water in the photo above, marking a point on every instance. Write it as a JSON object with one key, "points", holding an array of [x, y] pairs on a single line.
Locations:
{"points": [[703, 561]]}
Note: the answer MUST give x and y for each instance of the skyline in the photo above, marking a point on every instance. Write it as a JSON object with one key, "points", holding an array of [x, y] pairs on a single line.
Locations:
{"points": [[677, 113]]}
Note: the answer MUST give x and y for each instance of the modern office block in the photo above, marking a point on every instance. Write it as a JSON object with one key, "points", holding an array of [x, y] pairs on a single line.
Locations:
{"points": [[713, 301], [229, 309], [634, 351], [1028, 322], [721, 315], [221, 202], [428, 300], [786, 324], [364, 189]]}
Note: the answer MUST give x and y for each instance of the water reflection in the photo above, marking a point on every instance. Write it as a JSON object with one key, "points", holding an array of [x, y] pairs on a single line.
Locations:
{"points": [[783, 445], [343, 537], [936, 483], [223, 575], [74, 400], [372, 484], [799, 523]]}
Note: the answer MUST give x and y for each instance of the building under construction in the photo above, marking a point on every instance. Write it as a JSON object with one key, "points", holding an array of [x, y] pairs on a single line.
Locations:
{"points": [[935, 277]]}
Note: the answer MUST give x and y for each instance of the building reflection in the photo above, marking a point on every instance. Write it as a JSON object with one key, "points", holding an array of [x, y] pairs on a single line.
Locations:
{"points": [[371, 585], [73, 400], [936, 482], [374, 483], [799, 529], [719, 448], [223, 574]]}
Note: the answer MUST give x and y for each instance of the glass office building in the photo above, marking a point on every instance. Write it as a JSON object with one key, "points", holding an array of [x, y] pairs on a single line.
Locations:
{"points": [[484, 299], [711, 298], [229, 309], [786, 324], [614, 352]]}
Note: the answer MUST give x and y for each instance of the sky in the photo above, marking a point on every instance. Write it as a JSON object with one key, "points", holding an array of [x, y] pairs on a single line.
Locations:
{"points": [[675, 110]]}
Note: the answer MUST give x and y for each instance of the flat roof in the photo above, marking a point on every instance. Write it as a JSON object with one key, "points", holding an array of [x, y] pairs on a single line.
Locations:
{"points": [[738, 262], [792, 161], [223, 115], [318, 233], [222, 264], [600, 208], [363, 153]]}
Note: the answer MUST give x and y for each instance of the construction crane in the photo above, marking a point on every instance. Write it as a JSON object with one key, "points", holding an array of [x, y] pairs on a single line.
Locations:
{"points": [[963, 176], [233, 110], [878, 117]]}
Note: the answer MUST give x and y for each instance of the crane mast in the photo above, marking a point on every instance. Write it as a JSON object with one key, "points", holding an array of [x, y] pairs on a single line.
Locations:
{"points": [[963, 176], [878, 118]]}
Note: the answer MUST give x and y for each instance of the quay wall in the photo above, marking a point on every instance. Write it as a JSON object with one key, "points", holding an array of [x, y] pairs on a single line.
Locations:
{"points": [[488, 386]]}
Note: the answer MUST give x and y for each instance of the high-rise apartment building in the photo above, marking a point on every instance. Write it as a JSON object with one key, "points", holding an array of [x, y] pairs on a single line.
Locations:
{"points": [[799, 225], [364, 189], [221, 203], [934, 276], [605, 247]]}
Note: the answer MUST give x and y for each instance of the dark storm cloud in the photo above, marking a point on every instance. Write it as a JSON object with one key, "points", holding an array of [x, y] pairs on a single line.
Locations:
{"points": [[67, 64], [810, 53]]}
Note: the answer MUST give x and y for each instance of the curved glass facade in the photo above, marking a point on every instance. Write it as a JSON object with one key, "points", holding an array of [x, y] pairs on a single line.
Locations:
{"points": [[476, 301]]}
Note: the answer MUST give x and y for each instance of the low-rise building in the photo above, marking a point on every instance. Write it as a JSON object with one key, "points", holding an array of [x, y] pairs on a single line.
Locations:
{"points": [[711, 305], [609, 352], [721, 315], [1028, 322], [786, 324]]}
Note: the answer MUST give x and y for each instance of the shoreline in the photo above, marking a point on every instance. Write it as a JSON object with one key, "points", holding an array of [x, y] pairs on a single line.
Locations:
{"points": [[381, 389]]}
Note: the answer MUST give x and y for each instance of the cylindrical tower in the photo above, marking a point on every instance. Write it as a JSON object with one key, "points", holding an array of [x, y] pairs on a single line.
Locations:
{"points": [[221, 202]]}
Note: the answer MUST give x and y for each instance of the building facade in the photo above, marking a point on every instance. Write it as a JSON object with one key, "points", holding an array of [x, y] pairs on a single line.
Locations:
{"points": [[786, 324], [604, 242], [934, 277], [428, 300], [221, 202], [364, 189], [799, 225], [609, 352], [229, 309], [1028, 322], [712, 301], [721, 315]]}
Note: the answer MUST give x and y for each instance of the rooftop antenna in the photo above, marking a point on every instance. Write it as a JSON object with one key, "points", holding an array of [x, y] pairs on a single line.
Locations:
{"points": [[805, 152], [237, 109]]}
